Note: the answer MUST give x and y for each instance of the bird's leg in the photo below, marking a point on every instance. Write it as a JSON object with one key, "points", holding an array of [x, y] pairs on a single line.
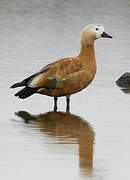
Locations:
{"points": [[68, 103], [55, 103]]}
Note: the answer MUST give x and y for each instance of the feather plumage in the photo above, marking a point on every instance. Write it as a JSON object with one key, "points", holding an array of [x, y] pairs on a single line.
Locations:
{"points": [[65, 76]]}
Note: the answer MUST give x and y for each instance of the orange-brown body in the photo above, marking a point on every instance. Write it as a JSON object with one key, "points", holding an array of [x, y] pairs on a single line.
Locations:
{"points": [[74, 74]]}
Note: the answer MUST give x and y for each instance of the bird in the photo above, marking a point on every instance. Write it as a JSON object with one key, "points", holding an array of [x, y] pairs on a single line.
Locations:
{"points": [[66, 76]]}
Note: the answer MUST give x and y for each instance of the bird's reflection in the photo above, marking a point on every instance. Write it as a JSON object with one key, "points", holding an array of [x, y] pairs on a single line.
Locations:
{"points": [[68, 128]]}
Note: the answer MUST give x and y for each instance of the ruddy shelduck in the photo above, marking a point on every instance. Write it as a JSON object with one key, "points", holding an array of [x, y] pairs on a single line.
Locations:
{"points": [[66, 76]]}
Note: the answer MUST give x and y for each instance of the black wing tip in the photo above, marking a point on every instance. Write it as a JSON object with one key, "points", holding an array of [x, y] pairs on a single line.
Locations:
{"points": [[13, 86], [16, 85], [19, 84]]}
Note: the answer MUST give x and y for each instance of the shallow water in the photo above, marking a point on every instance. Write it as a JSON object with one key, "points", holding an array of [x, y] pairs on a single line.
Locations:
{"points": [[93, 140]]}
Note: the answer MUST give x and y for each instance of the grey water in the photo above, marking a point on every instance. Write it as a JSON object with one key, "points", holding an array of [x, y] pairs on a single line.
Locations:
{"points": [[93, 140]]}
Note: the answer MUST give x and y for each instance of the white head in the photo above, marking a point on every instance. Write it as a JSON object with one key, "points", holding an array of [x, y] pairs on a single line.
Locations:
{"points": [[92, 32]]}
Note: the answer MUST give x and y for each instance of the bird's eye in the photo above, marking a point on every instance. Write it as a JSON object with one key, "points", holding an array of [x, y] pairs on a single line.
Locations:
{"points": [[96, 29]]}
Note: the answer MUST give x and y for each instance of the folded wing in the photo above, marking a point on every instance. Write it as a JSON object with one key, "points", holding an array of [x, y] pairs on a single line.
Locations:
{"points": [[57, 74]]}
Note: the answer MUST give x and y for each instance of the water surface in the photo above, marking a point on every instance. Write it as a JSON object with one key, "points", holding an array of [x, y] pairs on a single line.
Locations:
{"points": [[93, 141]]}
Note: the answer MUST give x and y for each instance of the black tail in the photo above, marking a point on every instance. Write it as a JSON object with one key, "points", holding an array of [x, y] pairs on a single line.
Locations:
{"points": [[19, 84], [26, 92]]}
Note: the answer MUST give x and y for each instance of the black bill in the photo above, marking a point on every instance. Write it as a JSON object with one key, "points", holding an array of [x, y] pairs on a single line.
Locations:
{"points": [[105, 35]]}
